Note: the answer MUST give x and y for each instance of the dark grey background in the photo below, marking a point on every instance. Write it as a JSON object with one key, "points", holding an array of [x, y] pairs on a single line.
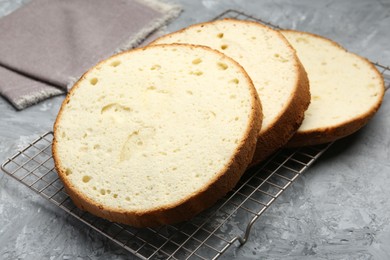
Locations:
{"points": [[339, 209]]}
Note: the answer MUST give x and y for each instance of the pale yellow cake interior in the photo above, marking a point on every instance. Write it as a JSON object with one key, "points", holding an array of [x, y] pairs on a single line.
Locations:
{"points": [[149, 128], [264, 53], [343, 85]]}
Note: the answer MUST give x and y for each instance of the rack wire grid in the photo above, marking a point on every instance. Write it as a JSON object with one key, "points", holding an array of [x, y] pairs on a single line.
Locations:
{"points": [[208, 235]]}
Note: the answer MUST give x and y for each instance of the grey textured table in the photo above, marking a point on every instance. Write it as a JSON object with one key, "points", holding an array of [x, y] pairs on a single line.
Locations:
{"points": [[339, 209]]}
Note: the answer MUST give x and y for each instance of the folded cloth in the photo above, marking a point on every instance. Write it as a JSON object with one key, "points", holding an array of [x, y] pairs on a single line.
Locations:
{"points": [[48, 44]]}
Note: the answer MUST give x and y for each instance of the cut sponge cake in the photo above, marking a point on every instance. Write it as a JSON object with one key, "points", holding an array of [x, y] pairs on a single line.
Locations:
{"points": [[346, 89], [273, 66], [155, 135]]}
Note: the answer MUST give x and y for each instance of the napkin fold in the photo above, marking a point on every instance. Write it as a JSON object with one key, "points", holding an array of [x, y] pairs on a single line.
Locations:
{"points": [[47, 45]]}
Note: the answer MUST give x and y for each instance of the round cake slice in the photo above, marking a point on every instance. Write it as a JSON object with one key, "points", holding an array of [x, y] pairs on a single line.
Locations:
{"points": [[273, 66], [346, 89], [155, 135]]}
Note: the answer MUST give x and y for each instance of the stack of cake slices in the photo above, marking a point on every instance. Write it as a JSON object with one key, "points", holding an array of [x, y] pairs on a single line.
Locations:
{"points": [[155, 135]]}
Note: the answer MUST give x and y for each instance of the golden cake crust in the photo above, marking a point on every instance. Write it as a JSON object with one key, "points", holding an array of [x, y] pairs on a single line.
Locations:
{"points": [[333, 132], [188, 206]]}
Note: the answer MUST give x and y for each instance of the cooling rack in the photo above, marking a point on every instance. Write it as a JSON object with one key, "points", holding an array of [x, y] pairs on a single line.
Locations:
{"points": [[208, 235]]}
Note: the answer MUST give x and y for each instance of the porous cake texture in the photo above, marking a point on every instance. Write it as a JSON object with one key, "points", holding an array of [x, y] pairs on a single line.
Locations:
{"points": [[273, 66], [155, 135], [346, 89]]}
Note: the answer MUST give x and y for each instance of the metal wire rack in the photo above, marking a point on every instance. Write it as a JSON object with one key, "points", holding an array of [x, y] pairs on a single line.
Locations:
{"points": [[208, 235]]}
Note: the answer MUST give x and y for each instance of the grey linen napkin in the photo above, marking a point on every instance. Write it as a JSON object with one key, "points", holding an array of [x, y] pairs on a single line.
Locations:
{"points": [[48, 44]]}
